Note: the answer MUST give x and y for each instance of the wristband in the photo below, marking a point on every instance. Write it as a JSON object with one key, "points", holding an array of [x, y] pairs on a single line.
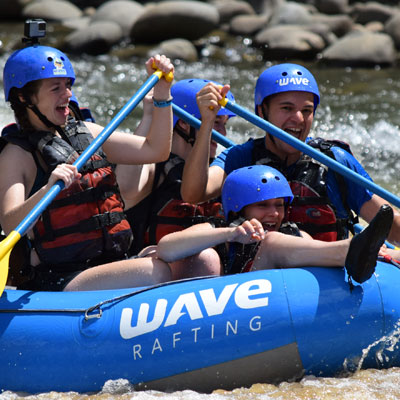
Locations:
{"points": [[162, 103]]}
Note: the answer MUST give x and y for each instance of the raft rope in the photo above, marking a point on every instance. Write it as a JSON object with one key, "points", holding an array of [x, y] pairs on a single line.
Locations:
{"points": [[89, 312]]}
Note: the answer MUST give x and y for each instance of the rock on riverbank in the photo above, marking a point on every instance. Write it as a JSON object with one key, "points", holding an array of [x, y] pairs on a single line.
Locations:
{"points": [[333, 32]]}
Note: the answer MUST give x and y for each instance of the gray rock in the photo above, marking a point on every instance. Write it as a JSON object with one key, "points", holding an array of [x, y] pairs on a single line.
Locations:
{"points": [[175, 19], [363, 13], [265, 6], [361, 49], [177, 49], [248, 25], [392, 28], [123, 12], [76, 23], [324, 31], [290, 13], [52, 10], [229, 9], [340, 25], [289, 41], [332, 7], [374, 26], [97, 38]]}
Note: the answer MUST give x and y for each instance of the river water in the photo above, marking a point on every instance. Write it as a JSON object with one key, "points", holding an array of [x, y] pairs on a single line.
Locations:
{"points": [[358, 106]]}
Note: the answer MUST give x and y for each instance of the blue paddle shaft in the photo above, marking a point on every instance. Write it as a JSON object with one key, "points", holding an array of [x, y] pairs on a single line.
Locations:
{"points": [[35, 213], [317, 155], [182, 114]]}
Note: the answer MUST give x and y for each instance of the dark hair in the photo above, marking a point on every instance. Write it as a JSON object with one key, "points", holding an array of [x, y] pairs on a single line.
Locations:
{"points": [[20, 106]]}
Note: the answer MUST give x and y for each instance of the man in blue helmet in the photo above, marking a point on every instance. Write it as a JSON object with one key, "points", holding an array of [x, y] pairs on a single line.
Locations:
{"points": [[254, 200], [325, 202], [81, 240], [153, 203]]}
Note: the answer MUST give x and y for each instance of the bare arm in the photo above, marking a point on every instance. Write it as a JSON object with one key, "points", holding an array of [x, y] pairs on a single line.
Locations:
{"points": [[17, 182], [199, 182], [370, 208], [156, 146], [193, 240], [136, 181]]}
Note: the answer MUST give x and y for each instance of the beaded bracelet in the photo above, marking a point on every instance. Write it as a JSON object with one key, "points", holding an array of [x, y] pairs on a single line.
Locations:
{"points": [[162, 103]]}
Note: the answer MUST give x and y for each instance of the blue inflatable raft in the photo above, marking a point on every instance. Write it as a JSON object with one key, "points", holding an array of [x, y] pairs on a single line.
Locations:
{"points": [[201, 334]]}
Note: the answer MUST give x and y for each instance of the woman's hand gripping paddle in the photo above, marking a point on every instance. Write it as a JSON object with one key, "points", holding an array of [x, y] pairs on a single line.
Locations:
{"points": [[9, 242]]}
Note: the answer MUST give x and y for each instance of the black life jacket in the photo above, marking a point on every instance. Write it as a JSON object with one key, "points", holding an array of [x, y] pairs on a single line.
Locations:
{"points": [[239, 257], [163, 211], [85, 224], [311, 209]]}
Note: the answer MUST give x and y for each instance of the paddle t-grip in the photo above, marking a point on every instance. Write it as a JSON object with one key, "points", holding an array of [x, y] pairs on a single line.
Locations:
{"points": [[169, 77]]}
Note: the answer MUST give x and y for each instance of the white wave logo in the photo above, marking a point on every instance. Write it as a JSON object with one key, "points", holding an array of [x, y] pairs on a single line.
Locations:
{"points": [[293, 81], [248, 295]]}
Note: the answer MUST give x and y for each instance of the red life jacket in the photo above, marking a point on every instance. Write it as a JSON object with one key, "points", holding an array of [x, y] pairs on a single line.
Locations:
{"points": [[311, 209], [163, 211], [85, 224]]}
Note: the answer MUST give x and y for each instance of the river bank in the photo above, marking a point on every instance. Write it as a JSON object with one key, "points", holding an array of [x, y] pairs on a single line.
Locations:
{"points": [[332, 33]]}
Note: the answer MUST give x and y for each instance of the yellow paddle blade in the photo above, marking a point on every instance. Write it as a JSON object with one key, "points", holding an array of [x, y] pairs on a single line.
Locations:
{"points": [[6, 247]]}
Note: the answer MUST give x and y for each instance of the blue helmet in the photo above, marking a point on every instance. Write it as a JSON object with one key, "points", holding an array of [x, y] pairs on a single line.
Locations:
{"points": [[252, 184], [184, 94], [285, 78], [33, 63], [73, 99]]}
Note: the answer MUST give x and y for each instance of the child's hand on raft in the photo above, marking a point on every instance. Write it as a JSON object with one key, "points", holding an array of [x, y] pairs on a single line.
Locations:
{"points": [[248, 232]]}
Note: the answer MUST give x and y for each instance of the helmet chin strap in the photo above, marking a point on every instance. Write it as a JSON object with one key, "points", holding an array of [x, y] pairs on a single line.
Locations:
{"points": [[46, 121], [191, 138]]}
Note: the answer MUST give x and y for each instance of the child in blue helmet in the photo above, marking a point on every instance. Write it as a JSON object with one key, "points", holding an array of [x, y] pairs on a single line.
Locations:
{"points": [[254, 200], [325, 202], [82, 239], [78, 112], [151, 192]]}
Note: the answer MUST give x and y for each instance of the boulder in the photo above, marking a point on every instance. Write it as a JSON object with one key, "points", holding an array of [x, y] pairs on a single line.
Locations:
{"points": [[340, 25], [392, 28], [122, 12], [52, 10], [361, 49], [229, 9], [97, 38], [332, 7], [248, 25], [290, 13], [289, 41], [265, 6], [174, 19], [181, 49], [362, 13]]}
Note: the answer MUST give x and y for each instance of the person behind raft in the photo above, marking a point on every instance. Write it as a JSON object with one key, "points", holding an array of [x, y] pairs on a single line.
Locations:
{"points": [[287, 96], [81, 240], [254, 200], [151, 192]]}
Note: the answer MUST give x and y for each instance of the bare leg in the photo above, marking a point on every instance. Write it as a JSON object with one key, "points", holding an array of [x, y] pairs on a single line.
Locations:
{"points": [[205, 263], [284, 251], [122, 274]]}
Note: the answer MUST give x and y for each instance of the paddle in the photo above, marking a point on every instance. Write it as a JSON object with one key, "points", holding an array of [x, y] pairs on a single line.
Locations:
{"points": [[9, 242], [303, 147], [184, 115]]}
